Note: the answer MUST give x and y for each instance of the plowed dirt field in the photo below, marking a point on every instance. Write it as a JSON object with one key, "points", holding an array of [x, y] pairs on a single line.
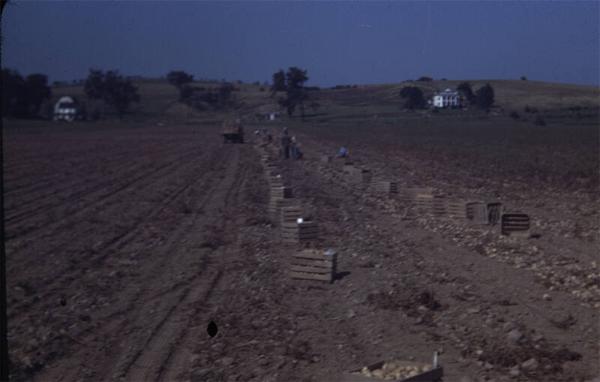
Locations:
{"points": [[123, 243]]}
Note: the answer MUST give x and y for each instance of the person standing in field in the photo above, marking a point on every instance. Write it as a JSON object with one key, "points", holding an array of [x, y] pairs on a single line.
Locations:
{"points": [[285, 144], [299, 153], [293, 148], [344, 152]]}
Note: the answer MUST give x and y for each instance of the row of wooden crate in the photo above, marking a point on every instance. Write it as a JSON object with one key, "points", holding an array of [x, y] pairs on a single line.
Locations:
{"points": [[321, 265], [285, 210], [426, 201]]}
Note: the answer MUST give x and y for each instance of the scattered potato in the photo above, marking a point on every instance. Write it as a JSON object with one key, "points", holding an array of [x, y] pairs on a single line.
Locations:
{"points": [[391, 371]]}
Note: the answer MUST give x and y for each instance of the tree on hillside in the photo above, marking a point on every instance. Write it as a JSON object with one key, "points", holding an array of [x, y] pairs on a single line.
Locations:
{"points": [[37, 91], [94, 84], [425, 79], [23, 97], [278, 82], [465, 89], [294, 98], [484, 97], [414, 97], [224, 94], [296, 94], [178, 78], [13, 94], [295, 78], [112, 88]]}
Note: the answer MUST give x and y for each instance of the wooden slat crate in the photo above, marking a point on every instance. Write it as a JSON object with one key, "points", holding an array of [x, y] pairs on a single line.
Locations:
{"points": [[270, 167], [477, 212], [275, 181], [387, 187], [438, 208], [494, 211], [516, 224], [290, 214], [423, 202], [281, 192], [294, 232], [276, 204], [360, 176], [409, 194], [430, 204], [456, 209], [271, 170], [312, 264]]}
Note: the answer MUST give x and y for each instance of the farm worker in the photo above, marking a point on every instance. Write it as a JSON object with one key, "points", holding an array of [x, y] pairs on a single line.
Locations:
{"points": [[299, 154], [293, 148], [285, 144], [343, 153]]}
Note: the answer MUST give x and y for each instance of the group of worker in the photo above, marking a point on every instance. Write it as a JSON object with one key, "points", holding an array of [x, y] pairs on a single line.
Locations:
{"points": [[290, 148]]}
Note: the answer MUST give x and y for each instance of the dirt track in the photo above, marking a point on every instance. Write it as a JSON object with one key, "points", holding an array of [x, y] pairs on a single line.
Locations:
{"points": [[123, 246]]}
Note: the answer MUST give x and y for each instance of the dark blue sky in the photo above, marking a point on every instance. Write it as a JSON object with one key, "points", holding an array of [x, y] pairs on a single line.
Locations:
{"points": [[337, 42]]}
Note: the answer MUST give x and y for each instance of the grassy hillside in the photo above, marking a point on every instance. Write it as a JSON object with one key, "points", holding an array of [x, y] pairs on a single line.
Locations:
{"points": [[159, 99]]}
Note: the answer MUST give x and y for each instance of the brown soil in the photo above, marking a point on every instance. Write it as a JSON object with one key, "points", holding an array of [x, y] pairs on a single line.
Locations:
{"points": [[123, 244]]}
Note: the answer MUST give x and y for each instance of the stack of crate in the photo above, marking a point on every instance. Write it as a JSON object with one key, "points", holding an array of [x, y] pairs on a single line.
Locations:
{"points": [[359, 176], [409, 194], [438, 207], [515, 224], [494, 211], [299, 232], [280, 197], [280, 192], [312, 264], [456, 209], [290, 214], [386, 187], [427, 202], [270, 168], [477, 212], [265, 158], [275, 180]]}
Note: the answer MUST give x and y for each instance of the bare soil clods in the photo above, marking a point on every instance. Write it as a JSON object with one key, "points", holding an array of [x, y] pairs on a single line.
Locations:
{"points": [[123, 247]]}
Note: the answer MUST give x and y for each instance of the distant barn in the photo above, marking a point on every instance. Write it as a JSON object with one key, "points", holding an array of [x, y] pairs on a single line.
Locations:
{"points": [[446, 98], [66, 109]]}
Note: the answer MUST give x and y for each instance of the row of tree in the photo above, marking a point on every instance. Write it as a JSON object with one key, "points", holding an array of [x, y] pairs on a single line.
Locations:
{"points": [[24, 97], [199, 97], [112, 89], [482, 98], [28, 97], [291, 82]]}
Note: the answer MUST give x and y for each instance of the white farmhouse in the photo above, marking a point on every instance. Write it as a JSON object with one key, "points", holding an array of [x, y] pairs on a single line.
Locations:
{"points": [[447, 98]]}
